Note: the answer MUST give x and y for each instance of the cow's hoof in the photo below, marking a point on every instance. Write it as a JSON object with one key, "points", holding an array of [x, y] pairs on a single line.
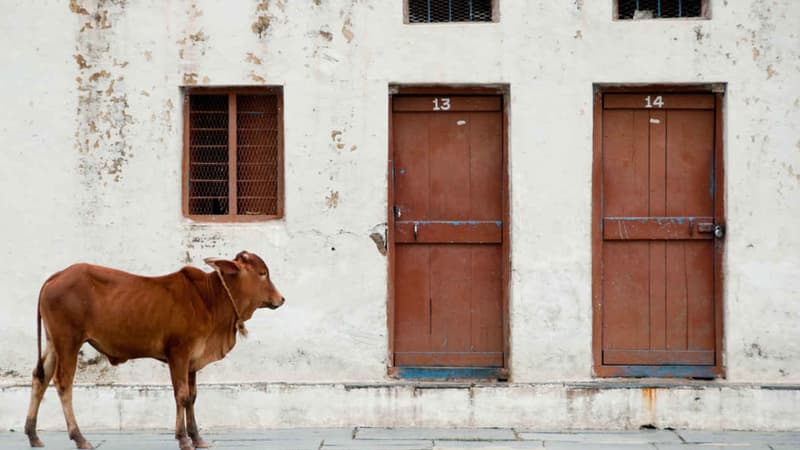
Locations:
{"points": [[84, 445], [200, 443], [36, 442], [185, 444]]}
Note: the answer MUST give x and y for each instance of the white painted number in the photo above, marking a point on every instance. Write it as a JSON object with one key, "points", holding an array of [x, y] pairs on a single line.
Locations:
{"points": [[658, 102], [441, 104]]}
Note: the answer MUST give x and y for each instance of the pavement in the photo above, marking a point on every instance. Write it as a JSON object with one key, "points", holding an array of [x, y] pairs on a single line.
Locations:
{"points": [[361, 438]]}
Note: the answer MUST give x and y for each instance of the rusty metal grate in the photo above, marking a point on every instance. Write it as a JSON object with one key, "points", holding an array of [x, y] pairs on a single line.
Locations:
{"points": [[256, 155], [428, 11], [208, 154], [658, 9]]}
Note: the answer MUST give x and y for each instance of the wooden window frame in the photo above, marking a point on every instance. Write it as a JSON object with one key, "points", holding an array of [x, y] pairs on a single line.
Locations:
{"points": [[705, 13], [599, 369], [495, 16], [232, 92]]}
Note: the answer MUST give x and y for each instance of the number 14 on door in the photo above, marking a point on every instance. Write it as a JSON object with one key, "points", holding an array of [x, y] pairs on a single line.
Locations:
{"points": [[657, 102]]}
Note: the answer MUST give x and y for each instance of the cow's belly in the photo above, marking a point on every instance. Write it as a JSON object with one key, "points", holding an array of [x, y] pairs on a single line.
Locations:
{"points": [[119, 351]]}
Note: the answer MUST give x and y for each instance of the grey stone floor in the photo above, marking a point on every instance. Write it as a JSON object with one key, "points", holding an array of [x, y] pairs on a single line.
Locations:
{"points": [[425, 439]]}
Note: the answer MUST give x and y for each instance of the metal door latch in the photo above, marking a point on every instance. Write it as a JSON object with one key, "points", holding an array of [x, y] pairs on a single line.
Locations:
{"points": [[416, 228], [719, 231], [708, 227]]}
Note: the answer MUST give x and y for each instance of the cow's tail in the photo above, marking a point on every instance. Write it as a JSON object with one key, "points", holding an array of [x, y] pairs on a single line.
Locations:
{"points": [[39, 371], [39, 362]]}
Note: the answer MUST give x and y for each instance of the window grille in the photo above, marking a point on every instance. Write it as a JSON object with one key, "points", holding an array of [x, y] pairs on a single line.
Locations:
{"points": [[658, 9], [234, 155], [428, 11]]}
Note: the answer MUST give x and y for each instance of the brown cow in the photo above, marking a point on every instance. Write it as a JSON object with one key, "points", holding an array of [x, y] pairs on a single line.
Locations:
{"points": [[187, 319]]}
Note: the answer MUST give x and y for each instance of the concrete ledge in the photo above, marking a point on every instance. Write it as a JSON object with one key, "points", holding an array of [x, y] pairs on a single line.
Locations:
{"points": [[607, 405]]}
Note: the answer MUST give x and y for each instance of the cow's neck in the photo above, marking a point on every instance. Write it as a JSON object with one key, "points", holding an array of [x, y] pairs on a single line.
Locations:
{"points": [[225, 318], [239, 320]]}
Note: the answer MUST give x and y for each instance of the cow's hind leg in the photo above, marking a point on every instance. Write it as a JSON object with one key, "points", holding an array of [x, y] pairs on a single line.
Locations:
{"points": [[38, 388], [179, 372], [67, 359], [191, 421]]}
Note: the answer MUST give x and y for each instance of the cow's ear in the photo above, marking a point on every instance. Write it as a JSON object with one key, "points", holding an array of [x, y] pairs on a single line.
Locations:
{"points": [[223, 265]]}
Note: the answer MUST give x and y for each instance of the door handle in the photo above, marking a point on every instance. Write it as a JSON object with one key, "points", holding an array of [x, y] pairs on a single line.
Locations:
{"points": [[416, 229]]}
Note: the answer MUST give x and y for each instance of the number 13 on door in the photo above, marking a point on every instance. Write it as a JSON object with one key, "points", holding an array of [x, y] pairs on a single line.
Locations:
{"points": [[441, 104]]}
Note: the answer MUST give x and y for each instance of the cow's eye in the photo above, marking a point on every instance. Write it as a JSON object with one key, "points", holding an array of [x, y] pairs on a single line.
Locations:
{"points": [[263, 275]]}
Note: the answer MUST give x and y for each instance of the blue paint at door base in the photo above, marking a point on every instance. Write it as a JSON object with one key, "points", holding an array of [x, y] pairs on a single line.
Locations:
{"points": [[704, 372], [449, 373]]}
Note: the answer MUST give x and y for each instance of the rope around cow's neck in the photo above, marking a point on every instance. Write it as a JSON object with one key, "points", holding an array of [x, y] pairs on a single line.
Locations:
{"points": [[239, 323]]}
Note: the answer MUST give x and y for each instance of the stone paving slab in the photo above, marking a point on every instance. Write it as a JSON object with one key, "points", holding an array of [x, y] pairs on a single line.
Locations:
{"points": [[420, 439], [278, 444], [483, 445], [729, 446], [602, 437], [460, 434], [740, 437], [286, 434], [53, 440], [563, 445], [783, 446], [383, 444]]}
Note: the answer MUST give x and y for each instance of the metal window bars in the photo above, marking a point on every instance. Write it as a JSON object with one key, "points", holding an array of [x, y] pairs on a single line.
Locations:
{"points": [[431, 11], [658, 9]]}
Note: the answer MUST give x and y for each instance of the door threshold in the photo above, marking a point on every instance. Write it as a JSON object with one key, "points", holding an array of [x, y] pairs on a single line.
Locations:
{"points": [[449, 373]]}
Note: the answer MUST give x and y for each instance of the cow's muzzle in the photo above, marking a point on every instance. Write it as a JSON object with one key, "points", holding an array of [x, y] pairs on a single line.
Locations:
{"points": [[275, 305]]}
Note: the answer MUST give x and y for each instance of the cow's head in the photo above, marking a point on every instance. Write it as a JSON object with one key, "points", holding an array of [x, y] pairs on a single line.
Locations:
{"points": [[247, 276]]}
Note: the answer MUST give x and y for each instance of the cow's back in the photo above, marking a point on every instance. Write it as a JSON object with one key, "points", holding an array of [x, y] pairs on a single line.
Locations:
{"points": [[123, 315]]}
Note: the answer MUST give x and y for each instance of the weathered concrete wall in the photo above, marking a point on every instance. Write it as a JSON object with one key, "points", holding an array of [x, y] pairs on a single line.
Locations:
{"points": [[91, 132], [543, 406]]}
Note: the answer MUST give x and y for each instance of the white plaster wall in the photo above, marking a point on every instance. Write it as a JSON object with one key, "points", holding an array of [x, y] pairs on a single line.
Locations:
{"points": [[91, 139]]}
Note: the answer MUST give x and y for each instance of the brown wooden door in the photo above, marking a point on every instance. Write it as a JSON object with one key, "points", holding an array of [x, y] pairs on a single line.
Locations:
{"points": [[658, 252], [448, 231]]}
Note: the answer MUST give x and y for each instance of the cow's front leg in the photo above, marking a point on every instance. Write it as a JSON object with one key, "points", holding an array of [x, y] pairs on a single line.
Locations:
{"points": [[191, 421], [179, 372]]}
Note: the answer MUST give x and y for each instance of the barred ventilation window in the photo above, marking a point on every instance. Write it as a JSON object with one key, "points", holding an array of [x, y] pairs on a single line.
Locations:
{"points": [[233, 154], [660, 9], [427, 11]]}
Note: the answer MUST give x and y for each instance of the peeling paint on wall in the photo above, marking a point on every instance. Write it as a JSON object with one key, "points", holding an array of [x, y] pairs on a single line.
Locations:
{"points": [[347, 31], [262, 21], [257, 78], [332, 200], [698, 33], [771, 72], [189, 79], [102, 116], [380, 242], [76, 8], [252, 59], [336, 137]]}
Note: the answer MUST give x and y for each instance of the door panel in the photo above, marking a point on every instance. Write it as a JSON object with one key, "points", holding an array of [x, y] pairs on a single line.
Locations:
{"points": [[412, 315], [448, 231], [657, 216]]}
